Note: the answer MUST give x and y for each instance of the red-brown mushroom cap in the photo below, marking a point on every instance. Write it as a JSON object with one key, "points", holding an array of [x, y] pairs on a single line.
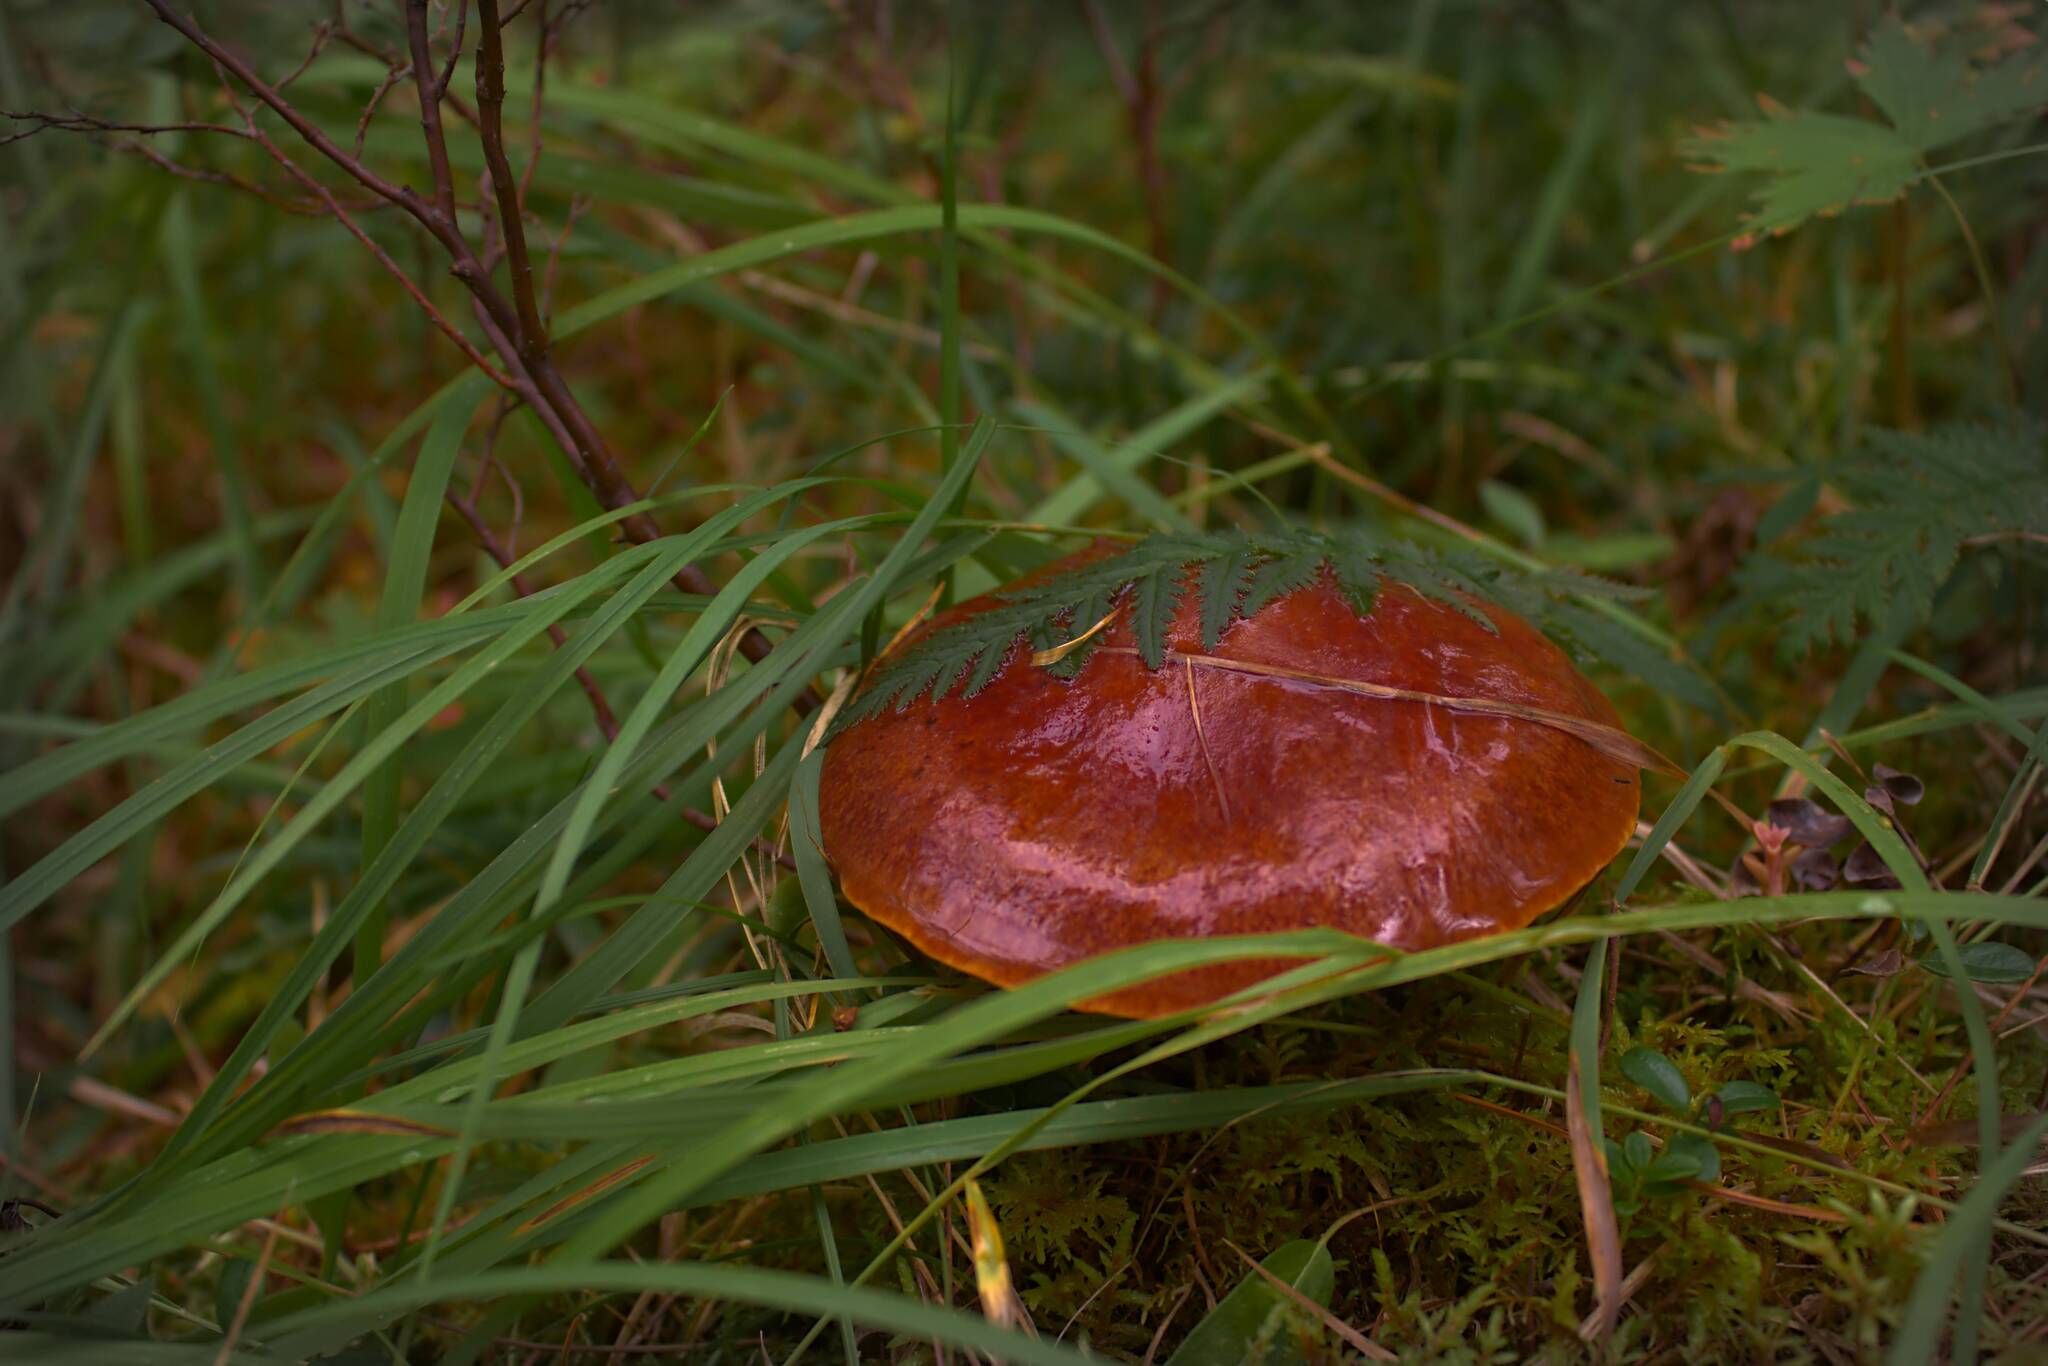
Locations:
{"points": [[1046, 820]]}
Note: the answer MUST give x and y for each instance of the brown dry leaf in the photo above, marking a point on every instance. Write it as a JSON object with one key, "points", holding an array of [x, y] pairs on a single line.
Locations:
{"points": [[1890, 963]]}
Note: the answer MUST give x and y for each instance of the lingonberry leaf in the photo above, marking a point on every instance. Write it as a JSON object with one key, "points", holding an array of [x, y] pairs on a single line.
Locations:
{"points": [[1658, 1075]]}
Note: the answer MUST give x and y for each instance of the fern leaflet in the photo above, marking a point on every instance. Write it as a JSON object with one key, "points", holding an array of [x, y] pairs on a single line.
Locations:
{"points": [[1919, 498]]}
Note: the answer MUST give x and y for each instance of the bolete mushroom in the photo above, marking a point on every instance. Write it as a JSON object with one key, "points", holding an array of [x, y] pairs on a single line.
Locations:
{"points": [[1289, 777]]}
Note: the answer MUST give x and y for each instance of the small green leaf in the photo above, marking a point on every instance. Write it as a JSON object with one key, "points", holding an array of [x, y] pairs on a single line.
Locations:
{"points": [[1916, 500], [1934, 98], [1696, 1151], [1989, 961], [987, 665], [1670, 1167], [1745, 1097], [1818, 163], [1658, 1075], [1637, 1148]]}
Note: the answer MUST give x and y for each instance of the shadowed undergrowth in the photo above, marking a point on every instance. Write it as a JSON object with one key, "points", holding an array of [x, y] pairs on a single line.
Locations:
{"points": [[417, 943]]}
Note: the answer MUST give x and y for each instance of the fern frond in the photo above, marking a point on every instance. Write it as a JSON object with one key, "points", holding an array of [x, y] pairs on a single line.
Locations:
{"points": [[1235, 575], [1919, 498]]}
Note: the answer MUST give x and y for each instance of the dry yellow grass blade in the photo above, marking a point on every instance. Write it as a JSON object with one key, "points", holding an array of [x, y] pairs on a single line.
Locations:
{"points": [[1053, 655], [1596, 1200], [999, 1302]]}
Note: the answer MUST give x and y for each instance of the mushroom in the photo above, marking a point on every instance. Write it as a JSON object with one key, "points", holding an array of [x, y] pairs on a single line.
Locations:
{"points": [[1248, 789]]}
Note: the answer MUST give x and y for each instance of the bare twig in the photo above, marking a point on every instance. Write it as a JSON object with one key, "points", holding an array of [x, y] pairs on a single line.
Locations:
{"points": [[577, 205], [454, 50], [384, 87], [528, 370], [322, 31], [250, 1289], [298, 208], [86, 123], [540, 78], [1143, 104], [430, 92], [434, 315], [490, 107]]}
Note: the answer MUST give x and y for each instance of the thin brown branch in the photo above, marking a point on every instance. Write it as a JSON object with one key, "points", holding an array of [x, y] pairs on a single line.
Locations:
{"points": [[490, 109], [577, 204], [1112, 55], [322, 31], [455, 51], [298, 208], [600, 708], [430, 108], [1141, 95], [86, 123], [285, 110], [434, 315], [540, 80], [528, 370], [384, 87]]}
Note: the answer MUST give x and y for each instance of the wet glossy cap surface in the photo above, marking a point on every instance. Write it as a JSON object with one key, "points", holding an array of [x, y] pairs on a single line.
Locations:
{"points": [[1044, 820]]}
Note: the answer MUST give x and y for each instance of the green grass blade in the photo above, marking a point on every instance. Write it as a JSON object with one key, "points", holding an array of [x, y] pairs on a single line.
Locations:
{"points": [[1957, 1243], [405, 578], [1103, 472], [1675, 816], [1066, 505], [775, 1289], [696, 646], [807, 847]]}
